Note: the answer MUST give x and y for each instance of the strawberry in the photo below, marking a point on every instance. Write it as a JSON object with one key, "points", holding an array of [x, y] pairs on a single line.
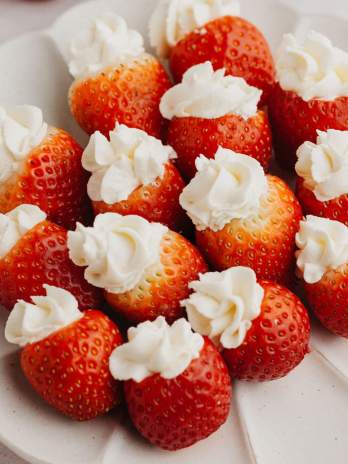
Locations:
{"points": [[41, 257], [69, 368], [52, 178], [128, 94], [231, 43], [277, 340], [191, 136], [295, 121]]}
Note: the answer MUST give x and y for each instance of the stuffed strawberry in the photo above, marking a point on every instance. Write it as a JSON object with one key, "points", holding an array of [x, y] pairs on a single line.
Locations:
{"points": [[177, 386], [115, 80], [66, 352], [311, 94], [242, 216], [41, 165], [322, 170], [144, 268], [193, 32], [34, 252], [133, 174], [322, 260], [208, 110], [262, 328]]}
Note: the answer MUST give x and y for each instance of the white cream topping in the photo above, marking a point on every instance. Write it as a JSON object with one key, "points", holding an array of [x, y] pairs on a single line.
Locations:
{"points": [[131, 159], [324, 165], [156, 348], [172, 20], [32, 322], [209, 94], [323, 245], [15, 224], [106, 42], [224, 304], [225, 188], [313, 68], [22, 128], [117, 251]]}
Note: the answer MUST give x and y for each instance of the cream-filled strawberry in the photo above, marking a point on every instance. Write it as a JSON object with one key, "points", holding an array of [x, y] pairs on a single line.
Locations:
{"points": [[144, 268], [177, 386], [209, 109], [322, 169], [41, 165], [65, 353], [34, 252], [115, 80], [311, 94], [261, 327], [133, 174], [189, 32], [242, 216], [322, 260]]}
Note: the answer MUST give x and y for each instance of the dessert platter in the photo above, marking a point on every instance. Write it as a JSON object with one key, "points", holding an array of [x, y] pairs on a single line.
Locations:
{"points": [[174, 235]]}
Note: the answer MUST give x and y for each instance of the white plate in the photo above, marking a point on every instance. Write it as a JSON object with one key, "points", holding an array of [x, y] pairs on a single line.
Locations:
{"points": [[298, 420]]}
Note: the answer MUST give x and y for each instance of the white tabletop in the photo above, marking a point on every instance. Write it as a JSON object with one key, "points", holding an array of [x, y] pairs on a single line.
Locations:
{"points": [[20, 16]]}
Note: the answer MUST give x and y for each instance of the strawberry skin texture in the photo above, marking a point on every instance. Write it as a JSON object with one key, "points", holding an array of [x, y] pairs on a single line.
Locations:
{"points": [[295, 121], [156, 202], [328, 300], [231, 43], [277, 340], [335, 209], [41, 257], [52, 178], [128, 94], [192, 136], [176, 413], [265, 242], [165, 285], [70, 368]]}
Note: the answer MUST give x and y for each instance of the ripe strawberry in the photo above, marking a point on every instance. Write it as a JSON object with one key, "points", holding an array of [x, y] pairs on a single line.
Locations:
{"points": [[264, 242], [231, 43], [41, 257], [69, 368], [128, 94], [277, 340], [336, 209], [53, 179], [192, 136], [295, 121], [176, 413], [164, 286], [156, 202]]}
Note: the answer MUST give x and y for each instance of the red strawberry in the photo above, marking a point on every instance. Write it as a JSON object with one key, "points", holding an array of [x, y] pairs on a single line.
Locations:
{"points": [[265, 241], [53, 179], [231, 43], [69, 368], [295, 121], [128, 94], [192, 136], [41, 257], [277, 340]]}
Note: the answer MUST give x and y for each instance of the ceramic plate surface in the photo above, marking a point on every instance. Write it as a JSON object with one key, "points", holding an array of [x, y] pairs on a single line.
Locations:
{"points": [[298, 420]]}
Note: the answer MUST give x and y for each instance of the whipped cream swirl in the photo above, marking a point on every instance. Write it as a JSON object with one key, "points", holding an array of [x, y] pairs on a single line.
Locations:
{"points": [[323, 245], [209, 94], [32, 322], [131, 159], [225, 188], [117, 251], [172, 20], [156, 348], [106, 42], [314, 68]]}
